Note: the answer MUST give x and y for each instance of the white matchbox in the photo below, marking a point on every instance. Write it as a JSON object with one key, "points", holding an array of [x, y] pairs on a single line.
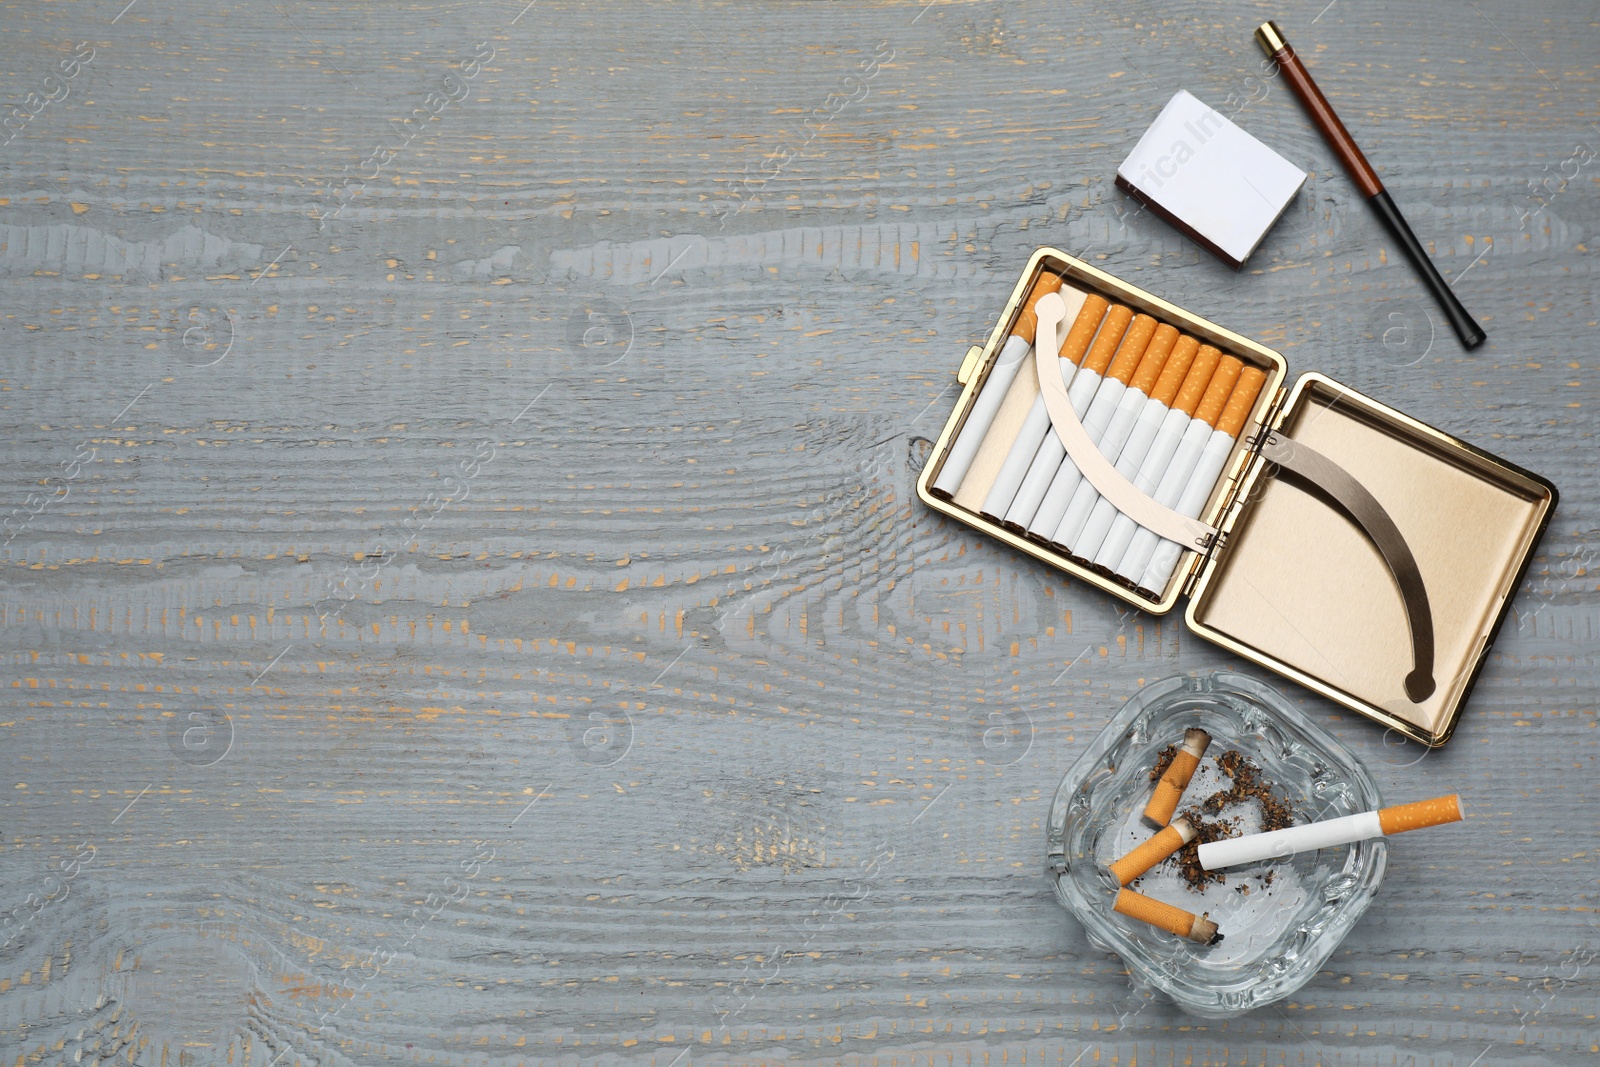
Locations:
{"points": [[1210, 179]]}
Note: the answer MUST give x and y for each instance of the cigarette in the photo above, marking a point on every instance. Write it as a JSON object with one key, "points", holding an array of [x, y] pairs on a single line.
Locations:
{"points": [[1022, 446], [1159, 458], [1091, 320], [1064, 479], [1023, 402], [1204, 479], [1174, 920], [959, 459], [1091, 324], [1153, 851], [1080, 393], [1003, 430], [1169, 790], [1117, 429], [1143, 408], [1184, 459], [1330, 832]]}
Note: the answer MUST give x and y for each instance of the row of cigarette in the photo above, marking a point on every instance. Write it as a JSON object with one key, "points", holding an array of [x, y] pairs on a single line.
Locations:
{"points": [[1164, 408], [1252, 848]]}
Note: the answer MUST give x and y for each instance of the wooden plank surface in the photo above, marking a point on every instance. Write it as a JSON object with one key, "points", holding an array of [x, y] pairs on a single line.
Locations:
{"points": [[644, 718]]}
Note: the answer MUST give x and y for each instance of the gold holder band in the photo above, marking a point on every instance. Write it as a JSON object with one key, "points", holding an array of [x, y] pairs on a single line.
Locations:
{"points": [[1270, 38]]}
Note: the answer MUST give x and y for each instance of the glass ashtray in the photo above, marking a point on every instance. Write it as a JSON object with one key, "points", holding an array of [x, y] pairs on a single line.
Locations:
{"points": [[1279, 919]]}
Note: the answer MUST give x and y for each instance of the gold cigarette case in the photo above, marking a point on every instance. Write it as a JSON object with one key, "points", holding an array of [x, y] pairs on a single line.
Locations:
{"points": [[1299, 575]]}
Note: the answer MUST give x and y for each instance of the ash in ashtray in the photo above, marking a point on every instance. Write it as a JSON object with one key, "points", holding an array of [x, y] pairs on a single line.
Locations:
{"points": [[1210, 822]]}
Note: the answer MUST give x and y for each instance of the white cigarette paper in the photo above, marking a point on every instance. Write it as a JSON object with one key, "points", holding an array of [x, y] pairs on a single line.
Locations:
{"points": [[1034, 431], [1035, 428], [1152, 417], [1013, 354], [1156, 384], [979, 419], [1198, 459], [1213, 454], [1021, 454], [1280, 843], [1346, 830], [1111, 442], [1043, 467], [1155, 463], [1184, 458], [1052, 455], [1230, 424], [1090, 318], [1101, 410], [1112, 383]]}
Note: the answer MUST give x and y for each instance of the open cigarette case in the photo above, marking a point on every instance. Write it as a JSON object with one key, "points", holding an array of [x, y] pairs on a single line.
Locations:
{"points": [[1361, 553]]}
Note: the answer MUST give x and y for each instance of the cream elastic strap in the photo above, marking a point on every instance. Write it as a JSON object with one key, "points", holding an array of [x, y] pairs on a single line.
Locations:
{"points": [[1096, 468]]}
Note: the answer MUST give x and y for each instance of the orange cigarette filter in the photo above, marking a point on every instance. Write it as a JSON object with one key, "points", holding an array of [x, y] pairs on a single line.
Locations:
{"points": [[1217, 390], [1435, 812], [1169, 790], [1153, 851], [1107, 340], [1131, 351], [1175, 370], [1241, 400], [1154, 359], [1028, 322], [1198, 380], [1084, 327], [1167, 917]]}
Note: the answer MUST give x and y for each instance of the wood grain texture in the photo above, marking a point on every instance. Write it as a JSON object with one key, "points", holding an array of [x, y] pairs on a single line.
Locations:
{"points": [[649, 718]]}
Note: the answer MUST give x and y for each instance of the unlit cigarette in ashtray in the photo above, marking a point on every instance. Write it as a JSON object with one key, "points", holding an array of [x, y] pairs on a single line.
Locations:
{"points": [[1330, 832]]}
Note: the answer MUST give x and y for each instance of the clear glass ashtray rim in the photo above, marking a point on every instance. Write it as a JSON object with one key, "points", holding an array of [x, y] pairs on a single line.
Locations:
{"points": [[1184, 975]]}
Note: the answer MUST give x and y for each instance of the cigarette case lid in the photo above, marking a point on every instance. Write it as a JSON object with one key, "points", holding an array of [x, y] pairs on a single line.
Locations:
{"points": [[1210, 179], [1296, 586]]}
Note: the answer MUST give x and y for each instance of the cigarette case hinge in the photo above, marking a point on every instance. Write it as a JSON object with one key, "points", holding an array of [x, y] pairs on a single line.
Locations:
{"points": [[1207, 553], [1274, 415]]}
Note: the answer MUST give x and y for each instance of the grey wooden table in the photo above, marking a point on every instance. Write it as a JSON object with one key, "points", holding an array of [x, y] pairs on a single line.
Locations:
{"points": [[464, 597]]}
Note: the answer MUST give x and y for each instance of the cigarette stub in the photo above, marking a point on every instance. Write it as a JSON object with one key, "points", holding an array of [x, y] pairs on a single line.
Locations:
{"points": [[1169, 790], [1090, 322], [1153, 469], [1230, 420], [1174, 920], [987, 402], [1153, 851], [1051, 457], [1345, 830]]}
